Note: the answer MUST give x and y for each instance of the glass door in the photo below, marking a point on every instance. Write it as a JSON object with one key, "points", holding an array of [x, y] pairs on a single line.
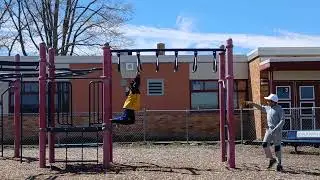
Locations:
{"points": [[285, 96], [297, 99], [306, 100]]}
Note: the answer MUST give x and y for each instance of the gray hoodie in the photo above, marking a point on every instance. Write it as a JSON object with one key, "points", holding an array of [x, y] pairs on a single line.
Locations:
{"points": [[275, 117]]}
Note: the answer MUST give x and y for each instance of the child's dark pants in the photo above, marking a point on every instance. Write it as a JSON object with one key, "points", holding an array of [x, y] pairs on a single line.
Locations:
{"points": [[127, 117]]}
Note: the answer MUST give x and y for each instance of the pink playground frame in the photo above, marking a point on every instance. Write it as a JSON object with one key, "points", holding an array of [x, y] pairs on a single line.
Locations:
{"points": [[107, 111], [226, 81]]}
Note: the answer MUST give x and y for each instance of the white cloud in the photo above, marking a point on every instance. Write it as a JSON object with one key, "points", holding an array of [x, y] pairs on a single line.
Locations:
{"points": [[183, 36], [184, 23], [186, 35]]}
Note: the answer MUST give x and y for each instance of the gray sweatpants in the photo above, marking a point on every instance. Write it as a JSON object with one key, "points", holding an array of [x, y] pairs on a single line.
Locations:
{"points": [[276, 138]]}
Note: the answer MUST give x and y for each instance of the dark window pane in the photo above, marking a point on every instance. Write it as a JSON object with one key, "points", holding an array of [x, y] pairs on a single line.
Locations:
{"points": [[211, 85], [30, 87], [307, 107], [307, 123], [30, 99], [204, 100], [197, 85], [306, 92], [283, 92], [285, 105], [235, 100], [286, 125], [242, 85]]}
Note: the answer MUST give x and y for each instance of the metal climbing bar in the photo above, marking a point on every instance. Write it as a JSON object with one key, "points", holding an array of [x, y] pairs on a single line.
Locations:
{"points": [[95, 102], [176, 55], [14, 63], [176, 64], [20, 118], [64, 103], [169, 49], [157, 61], [20, 69], [195, 62], [139, 66], [2, 118], [63, 73], [75, 129], [215, 63], [118, 55]]}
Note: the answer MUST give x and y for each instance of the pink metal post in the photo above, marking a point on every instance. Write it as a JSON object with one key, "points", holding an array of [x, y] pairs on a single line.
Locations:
{"points": [[230, 106], [222, 103], [17, 127], [107, 105], [42, 106], [51, 139]]}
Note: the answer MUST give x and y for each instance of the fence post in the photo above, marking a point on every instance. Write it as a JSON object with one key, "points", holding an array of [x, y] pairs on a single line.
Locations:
{"points": [[187, 125], [144, 125], [241, 124]]}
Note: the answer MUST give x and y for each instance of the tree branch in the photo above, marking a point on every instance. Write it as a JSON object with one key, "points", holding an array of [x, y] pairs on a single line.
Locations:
{"points": [[29, 29]]}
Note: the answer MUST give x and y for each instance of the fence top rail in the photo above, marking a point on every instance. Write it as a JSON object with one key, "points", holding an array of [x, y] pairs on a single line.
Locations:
{"points": [[165, 110], [236, 109]]}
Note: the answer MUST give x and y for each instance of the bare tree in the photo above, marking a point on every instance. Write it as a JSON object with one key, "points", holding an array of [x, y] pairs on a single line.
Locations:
{"points": [[4, 8], [70, 26]]}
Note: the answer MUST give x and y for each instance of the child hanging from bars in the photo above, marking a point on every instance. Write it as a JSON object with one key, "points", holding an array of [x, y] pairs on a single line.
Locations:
{"points": [[131, 104]]}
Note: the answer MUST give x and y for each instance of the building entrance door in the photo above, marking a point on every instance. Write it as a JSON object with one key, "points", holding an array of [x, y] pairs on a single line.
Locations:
{"points": [[298, 99]]}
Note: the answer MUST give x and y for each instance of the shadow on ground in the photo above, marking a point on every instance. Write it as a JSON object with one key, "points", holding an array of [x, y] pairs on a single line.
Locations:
{"points": [[287, 170], [142, 166], [24, 159], [118, 168]]}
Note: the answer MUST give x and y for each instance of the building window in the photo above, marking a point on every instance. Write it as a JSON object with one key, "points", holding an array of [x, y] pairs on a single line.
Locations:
{"points": [[286, 105], [283, 92], [306, 92], [240, 92], [30, 97], [205, 93], [155, 87]]}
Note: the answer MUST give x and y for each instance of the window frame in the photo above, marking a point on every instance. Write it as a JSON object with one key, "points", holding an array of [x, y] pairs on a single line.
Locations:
{"points": [[203, 90], [36, 110], [236, 90], [307, 99], [289, 89]]}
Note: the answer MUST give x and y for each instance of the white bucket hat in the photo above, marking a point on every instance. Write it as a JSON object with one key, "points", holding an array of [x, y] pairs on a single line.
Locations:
{"points": [[272, 97]]}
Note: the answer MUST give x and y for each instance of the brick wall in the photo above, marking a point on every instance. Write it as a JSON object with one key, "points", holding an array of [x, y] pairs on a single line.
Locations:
{"points": [[264, 91], [177, 95], [254, 92], [150, 126]]}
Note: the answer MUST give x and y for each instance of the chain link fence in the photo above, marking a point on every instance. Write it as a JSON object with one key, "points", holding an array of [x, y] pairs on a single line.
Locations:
{"points": [[167, 125]]}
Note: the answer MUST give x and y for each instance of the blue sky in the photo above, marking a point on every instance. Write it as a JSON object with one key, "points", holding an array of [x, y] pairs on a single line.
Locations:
{"points": [[203, 23]]}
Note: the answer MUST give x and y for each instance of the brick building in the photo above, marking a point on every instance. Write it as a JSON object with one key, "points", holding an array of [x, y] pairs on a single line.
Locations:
{"points": [[289, 72]]}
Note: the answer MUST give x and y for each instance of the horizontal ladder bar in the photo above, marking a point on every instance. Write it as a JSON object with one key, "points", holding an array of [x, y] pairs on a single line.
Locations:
{"points": [[74, 129], [14, 63], [18, 69], [77, 145], [159, 50], [75, 161]]}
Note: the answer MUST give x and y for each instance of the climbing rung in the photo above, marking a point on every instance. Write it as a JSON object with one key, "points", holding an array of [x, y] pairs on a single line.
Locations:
{"points": [[77, 145], [74, 129], [74, 161]]}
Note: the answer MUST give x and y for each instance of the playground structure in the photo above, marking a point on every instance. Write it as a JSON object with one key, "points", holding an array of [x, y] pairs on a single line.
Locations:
{"points": [[47, 73]]}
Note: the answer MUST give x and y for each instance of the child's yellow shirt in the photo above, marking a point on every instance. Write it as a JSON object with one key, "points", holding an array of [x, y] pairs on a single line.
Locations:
{"points": [[132, 102]]}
